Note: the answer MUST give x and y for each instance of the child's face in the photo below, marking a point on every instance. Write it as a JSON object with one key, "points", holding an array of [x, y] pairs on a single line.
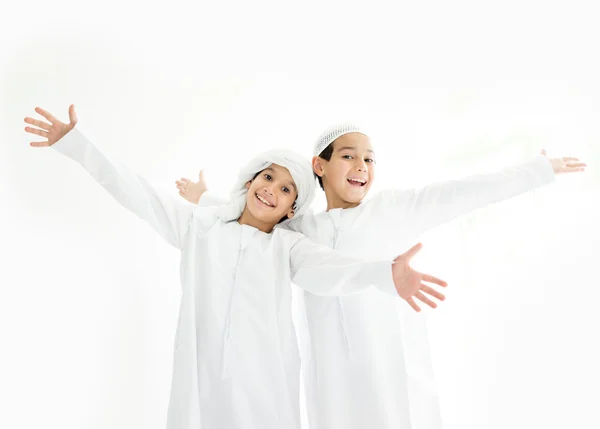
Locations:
{"points": [[348, 175], [271, 195]]}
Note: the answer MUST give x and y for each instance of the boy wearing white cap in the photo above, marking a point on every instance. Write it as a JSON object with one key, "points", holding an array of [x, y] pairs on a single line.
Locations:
{"points": [[368, 364], [236, 361]]}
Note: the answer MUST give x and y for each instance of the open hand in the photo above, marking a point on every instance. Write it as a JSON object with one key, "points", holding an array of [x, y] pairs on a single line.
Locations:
{"points": [[409, 283], [53, 131], [192, 191], [566, 165]]}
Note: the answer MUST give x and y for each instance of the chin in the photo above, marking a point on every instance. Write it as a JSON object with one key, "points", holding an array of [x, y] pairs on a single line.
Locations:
{"points": [[354, 198]]}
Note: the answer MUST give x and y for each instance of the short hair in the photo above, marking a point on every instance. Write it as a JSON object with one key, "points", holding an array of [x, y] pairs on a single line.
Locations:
{"points": [[326, 155]]}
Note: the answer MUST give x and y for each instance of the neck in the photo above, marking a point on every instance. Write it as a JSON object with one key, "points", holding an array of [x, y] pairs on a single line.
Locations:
{"points": [[334, 201], [247, 219]]}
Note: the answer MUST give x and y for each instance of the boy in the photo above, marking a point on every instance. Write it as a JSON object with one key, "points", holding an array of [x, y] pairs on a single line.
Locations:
{"points": [[369, 363], [236, 361]]}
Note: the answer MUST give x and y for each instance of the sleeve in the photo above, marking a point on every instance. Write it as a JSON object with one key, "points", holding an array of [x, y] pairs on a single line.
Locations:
{"points": [[435, 204], [322, 271], [167, 216]]}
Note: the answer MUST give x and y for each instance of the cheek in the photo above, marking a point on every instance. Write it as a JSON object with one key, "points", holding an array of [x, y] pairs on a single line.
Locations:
{"points": [[288, 200], [285, 202], [372, 169], [341, 171], [258, 183]]}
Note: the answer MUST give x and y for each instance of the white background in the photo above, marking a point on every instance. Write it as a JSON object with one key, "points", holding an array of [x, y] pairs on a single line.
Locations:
{"points": [[89, 295]]}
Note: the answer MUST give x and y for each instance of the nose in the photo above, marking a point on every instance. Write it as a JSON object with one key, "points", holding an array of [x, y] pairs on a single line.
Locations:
{"points": [[269, 191], [361, 165]]}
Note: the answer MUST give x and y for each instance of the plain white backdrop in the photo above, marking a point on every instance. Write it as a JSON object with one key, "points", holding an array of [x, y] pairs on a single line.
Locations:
{"points": [[89, 294]]}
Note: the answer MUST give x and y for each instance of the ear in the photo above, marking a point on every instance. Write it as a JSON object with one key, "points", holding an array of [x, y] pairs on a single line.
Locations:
{"points": [[290, 214], [248, 184], [318, 165]]}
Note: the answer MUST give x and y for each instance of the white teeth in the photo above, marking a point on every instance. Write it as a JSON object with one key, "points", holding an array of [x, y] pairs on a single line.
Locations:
{"points": [[264, 201], [358, 181]]}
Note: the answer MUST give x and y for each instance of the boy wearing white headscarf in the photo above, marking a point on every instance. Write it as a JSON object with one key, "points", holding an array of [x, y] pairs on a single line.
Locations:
{"points": [[368, 361], [236, 360]]}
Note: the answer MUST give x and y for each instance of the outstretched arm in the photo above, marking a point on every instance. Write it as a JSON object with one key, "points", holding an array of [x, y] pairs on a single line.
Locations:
{"points": [[169, 217], [323, 271], [438, 203]]}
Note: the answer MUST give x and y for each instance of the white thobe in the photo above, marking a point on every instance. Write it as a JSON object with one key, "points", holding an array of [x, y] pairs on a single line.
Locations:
{"points": [[236, 362], [368, 365]]}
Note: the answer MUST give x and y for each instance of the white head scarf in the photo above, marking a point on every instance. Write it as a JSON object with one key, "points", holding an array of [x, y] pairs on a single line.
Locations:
{"points": [[298, 166], [332, 133]]}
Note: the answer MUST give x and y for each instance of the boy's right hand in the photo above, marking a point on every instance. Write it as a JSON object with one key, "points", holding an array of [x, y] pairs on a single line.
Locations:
{"points": [[53, 131], [192, 191]]}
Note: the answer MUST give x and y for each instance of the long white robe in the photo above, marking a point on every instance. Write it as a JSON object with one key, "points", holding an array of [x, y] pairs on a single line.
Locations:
{"points": [[368, 364], [236, 362]]}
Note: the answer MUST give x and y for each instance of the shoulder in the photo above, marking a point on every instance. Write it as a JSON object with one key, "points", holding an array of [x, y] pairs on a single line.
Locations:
{"points": [[204, 218], [286, 237], [389, 197], [303, 223], [281, 233]]}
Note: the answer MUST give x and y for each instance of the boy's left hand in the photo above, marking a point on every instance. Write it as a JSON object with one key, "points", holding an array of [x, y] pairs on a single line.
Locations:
{"points": [[192, 191], [410, 283]]}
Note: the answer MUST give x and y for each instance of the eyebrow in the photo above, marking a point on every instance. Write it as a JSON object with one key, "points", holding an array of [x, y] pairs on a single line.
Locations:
{"points": [[291, 184], [351, 148]]}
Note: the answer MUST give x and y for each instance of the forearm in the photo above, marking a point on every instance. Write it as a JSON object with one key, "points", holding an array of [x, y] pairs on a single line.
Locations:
{"points": [[322, 271], [163, 213], [438, 203]]}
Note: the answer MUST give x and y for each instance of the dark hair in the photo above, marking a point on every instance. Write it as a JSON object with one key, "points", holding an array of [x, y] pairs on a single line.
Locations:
{"points": [[326, 155], [293, 206]]}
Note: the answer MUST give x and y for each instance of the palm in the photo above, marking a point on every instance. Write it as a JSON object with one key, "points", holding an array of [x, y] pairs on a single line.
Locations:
{"points": [[53, 130], [409, 283], [192, 191], [409, 280], [566, 164]]}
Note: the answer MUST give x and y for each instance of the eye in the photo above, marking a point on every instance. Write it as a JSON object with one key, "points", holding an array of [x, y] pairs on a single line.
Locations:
{"points": [[286, 190], [268, 177], [370, 160], [347, 156]]}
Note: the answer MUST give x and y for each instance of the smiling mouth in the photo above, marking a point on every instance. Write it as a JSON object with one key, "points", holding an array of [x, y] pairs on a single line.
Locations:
{"points": [[263, 201], [357, 182]]}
